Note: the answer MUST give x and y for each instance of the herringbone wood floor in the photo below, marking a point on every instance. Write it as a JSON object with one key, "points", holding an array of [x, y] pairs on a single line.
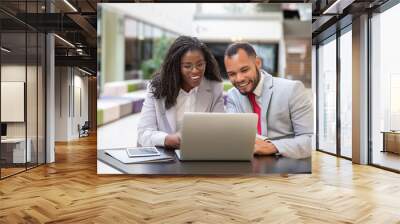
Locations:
{"points": [[70, 191]]}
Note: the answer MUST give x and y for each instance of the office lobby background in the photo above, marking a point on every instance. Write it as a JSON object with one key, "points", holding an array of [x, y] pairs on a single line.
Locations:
{"points": [[55, 106], [48, 94], [133, 39]]}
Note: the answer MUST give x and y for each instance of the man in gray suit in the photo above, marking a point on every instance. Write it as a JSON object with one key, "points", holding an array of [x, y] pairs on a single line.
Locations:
{"points": [[285, 110]]}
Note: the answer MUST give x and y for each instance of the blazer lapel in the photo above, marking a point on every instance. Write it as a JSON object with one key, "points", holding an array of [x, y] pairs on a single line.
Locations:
{"points": [[266, 96], [170, 116], [247, 108], [203, 97]]}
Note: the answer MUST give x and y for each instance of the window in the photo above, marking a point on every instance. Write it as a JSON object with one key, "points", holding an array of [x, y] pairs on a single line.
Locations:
{"points": [[327, 96], [346, 93], [385, 89]]}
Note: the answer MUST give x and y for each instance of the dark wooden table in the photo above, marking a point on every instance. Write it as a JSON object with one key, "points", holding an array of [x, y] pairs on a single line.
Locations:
{"points": [[260, 165]]}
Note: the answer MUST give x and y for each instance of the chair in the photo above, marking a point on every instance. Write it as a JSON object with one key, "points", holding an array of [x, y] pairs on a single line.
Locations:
{"points": [[84, 130]]}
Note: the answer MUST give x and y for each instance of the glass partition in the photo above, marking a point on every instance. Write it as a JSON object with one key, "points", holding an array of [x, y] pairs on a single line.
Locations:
{"points": [[13, 104], [22, 90]]}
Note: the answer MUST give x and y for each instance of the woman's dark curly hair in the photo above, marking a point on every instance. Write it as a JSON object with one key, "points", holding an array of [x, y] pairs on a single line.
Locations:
{"points": [[167, 81]]}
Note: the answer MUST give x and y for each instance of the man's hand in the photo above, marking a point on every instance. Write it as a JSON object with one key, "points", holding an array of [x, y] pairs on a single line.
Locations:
{"points": [[264, 147], [173, 141]]}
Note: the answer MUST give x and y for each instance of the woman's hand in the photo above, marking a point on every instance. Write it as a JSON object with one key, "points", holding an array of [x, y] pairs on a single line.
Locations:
{"points": [[173, 141]]}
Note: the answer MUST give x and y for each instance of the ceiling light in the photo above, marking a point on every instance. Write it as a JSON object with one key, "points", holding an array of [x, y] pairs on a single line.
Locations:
{"points": [[337, 7], [71, 6], [64, 40], [333, 6], [5, 50], [86, 72]]}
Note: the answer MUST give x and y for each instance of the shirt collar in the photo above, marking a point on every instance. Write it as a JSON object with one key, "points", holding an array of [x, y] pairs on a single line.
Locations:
{"points": [[258, 90]]}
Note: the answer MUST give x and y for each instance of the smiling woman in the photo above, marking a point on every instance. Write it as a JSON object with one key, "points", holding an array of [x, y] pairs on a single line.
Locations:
{"points": [[184, 83]]}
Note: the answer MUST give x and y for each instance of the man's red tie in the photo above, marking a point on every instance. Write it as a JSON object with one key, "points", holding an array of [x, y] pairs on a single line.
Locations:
{"points": [[256, 109]]}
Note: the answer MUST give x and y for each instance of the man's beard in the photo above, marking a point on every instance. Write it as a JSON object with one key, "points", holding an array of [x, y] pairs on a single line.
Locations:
{"points": [[256, 81]]}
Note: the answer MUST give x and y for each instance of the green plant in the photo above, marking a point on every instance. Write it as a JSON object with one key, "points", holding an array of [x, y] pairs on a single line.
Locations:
{"points": [[227, 86], [100, 116], [132, 87], [149, 66]]}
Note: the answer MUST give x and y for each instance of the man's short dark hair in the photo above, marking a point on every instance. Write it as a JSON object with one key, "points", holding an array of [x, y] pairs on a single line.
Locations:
{"points": [[234, 48]]}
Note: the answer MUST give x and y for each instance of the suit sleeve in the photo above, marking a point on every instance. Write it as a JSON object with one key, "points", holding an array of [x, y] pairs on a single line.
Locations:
{"points": [[301, 113], [218, 101], [148, 133]]}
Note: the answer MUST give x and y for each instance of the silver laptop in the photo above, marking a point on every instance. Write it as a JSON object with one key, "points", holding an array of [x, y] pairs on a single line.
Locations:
{"points": [[218, 136]]}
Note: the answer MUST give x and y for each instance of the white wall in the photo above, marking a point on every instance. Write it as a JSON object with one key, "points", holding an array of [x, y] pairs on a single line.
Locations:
{"points": [[112, 46], [229, 30], [33, 125], [266, 27], [80, 103], [82, 82], [162, 14], [70, 84], [12, 101], [61, 103], [17, 73], [13, 73]]}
